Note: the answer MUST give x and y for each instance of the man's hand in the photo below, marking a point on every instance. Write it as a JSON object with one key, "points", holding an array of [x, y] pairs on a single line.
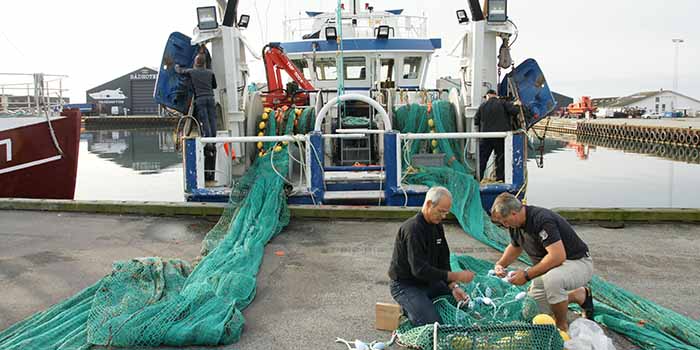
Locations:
{"points": [[500, 271], [464, 276], [518, 278], [460, 294]]}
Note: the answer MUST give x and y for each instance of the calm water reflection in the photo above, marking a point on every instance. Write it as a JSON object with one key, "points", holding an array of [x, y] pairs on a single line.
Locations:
{"points": [[129, 165], [603, 173], [143, 165]]}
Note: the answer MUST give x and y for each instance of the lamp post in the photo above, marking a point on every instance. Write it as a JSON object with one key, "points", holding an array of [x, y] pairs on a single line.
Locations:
{"points": [[676, 43]]}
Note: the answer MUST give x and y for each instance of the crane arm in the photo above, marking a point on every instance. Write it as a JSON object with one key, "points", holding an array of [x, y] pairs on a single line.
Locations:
{"points": [[276, 61]]}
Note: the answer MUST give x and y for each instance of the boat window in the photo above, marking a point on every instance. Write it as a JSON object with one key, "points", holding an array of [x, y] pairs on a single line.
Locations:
{"points": [[411, 66], [387, 69], [303, 66], [325, 68], [355, 68]]}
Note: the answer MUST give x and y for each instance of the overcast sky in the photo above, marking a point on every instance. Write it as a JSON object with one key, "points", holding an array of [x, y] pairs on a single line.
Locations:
{"points": [[594, 47]]}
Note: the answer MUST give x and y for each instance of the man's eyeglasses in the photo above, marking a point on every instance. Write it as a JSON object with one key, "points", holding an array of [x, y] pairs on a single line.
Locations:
{"points": [[498, 224]]}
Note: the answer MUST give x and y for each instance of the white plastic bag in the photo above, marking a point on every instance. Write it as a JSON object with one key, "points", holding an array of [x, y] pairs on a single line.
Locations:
{"points": [[587, 335]]}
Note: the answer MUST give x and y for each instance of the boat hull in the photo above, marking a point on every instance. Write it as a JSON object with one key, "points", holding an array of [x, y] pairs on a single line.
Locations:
{"points": [[30, 164]]}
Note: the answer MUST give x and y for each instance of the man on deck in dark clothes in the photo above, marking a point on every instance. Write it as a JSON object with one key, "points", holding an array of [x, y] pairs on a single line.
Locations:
{"points": [[420, 265], [204, 82], [494, 115], [562, 264]]}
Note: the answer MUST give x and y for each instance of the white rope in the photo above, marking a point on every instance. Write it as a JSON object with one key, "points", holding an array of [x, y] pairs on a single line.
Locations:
{"points": [[272, 164], [53, 134], [435, 335]]}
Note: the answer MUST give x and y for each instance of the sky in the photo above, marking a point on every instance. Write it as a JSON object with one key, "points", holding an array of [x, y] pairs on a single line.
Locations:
{"points": [[598, 48]]}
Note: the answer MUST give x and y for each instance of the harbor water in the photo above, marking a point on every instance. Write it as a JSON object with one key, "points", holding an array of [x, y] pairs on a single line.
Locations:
{"points": [[144, 165]]}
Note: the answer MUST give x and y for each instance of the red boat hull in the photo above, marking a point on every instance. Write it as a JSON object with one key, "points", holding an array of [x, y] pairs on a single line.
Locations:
{"points": [[30, 164]]}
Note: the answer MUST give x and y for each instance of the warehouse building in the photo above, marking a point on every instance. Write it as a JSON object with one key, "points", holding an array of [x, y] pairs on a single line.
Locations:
{"points": [[130, 94], [657, 102]]}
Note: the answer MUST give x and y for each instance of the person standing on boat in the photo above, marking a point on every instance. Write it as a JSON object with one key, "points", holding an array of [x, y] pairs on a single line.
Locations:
{"points": [[204, 82], [420, 265], [562, 264], [494, 115]]}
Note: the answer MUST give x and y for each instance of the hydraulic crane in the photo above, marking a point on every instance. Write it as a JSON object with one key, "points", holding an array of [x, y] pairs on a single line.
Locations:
{"points": [[278, 95]]}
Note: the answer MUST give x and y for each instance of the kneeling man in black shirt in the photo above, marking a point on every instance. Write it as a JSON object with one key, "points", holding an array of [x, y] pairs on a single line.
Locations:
{"points": [[420, 265], [562, 265]]}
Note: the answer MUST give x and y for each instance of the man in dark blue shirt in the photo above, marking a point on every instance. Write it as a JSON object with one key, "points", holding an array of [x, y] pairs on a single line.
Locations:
{"points": [[204, 82], [420, 265], [562, 264], [494, 115]]}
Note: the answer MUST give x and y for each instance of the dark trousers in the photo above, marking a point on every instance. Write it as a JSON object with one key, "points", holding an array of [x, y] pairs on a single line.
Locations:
{"points": [[206, 114], [417, 302], [486, 146]]}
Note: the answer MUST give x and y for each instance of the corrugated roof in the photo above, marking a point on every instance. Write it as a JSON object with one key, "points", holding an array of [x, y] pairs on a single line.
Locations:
{"points": [[101, 86], [612, 102], [631, 99], [603, 101]]}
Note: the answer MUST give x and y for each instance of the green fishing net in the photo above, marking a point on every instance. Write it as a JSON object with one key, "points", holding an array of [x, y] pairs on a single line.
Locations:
{"points": [[643, 322]]}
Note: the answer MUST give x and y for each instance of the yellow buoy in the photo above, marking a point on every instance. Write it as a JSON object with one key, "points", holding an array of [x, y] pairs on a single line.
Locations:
{"points": [[278, 148], [285, 143], [298, 111], [434, 143], [261, 134], [260, 145], [543, 319], [262, 125], [265, 116], [261, 154], [564, 335], [431, 123], [267, 110]]}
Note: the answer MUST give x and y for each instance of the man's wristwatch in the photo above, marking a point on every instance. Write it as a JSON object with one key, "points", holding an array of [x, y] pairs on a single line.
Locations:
{"points": [[527, 277]]}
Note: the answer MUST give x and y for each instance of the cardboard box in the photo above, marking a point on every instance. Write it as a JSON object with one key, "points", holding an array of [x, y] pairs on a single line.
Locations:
{"points": [[387, 316]]}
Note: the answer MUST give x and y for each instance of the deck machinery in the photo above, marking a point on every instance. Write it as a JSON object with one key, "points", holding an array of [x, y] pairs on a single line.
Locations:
{"points": [[385, 57]]}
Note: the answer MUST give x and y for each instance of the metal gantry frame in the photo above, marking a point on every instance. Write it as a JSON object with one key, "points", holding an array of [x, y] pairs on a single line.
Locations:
{"points": [[392, 190]]}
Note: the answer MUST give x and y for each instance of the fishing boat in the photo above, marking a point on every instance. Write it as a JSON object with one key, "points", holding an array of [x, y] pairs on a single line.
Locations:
{"points": [[351, 151], [39, 141]]}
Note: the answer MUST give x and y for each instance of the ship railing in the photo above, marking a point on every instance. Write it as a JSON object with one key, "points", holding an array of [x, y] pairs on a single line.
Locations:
{"points": [[32, 93], [364, 26]]}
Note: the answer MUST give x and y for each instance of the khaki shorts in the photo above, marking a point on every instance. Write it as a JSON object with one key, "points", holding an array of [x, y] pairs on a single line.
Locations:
{"points": [[553, 287]]}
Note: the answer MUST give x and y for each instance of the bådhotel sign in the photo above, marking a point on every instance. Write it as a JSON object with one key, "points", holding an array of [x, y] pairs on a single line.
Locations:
{"points": [[147, 75]]}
